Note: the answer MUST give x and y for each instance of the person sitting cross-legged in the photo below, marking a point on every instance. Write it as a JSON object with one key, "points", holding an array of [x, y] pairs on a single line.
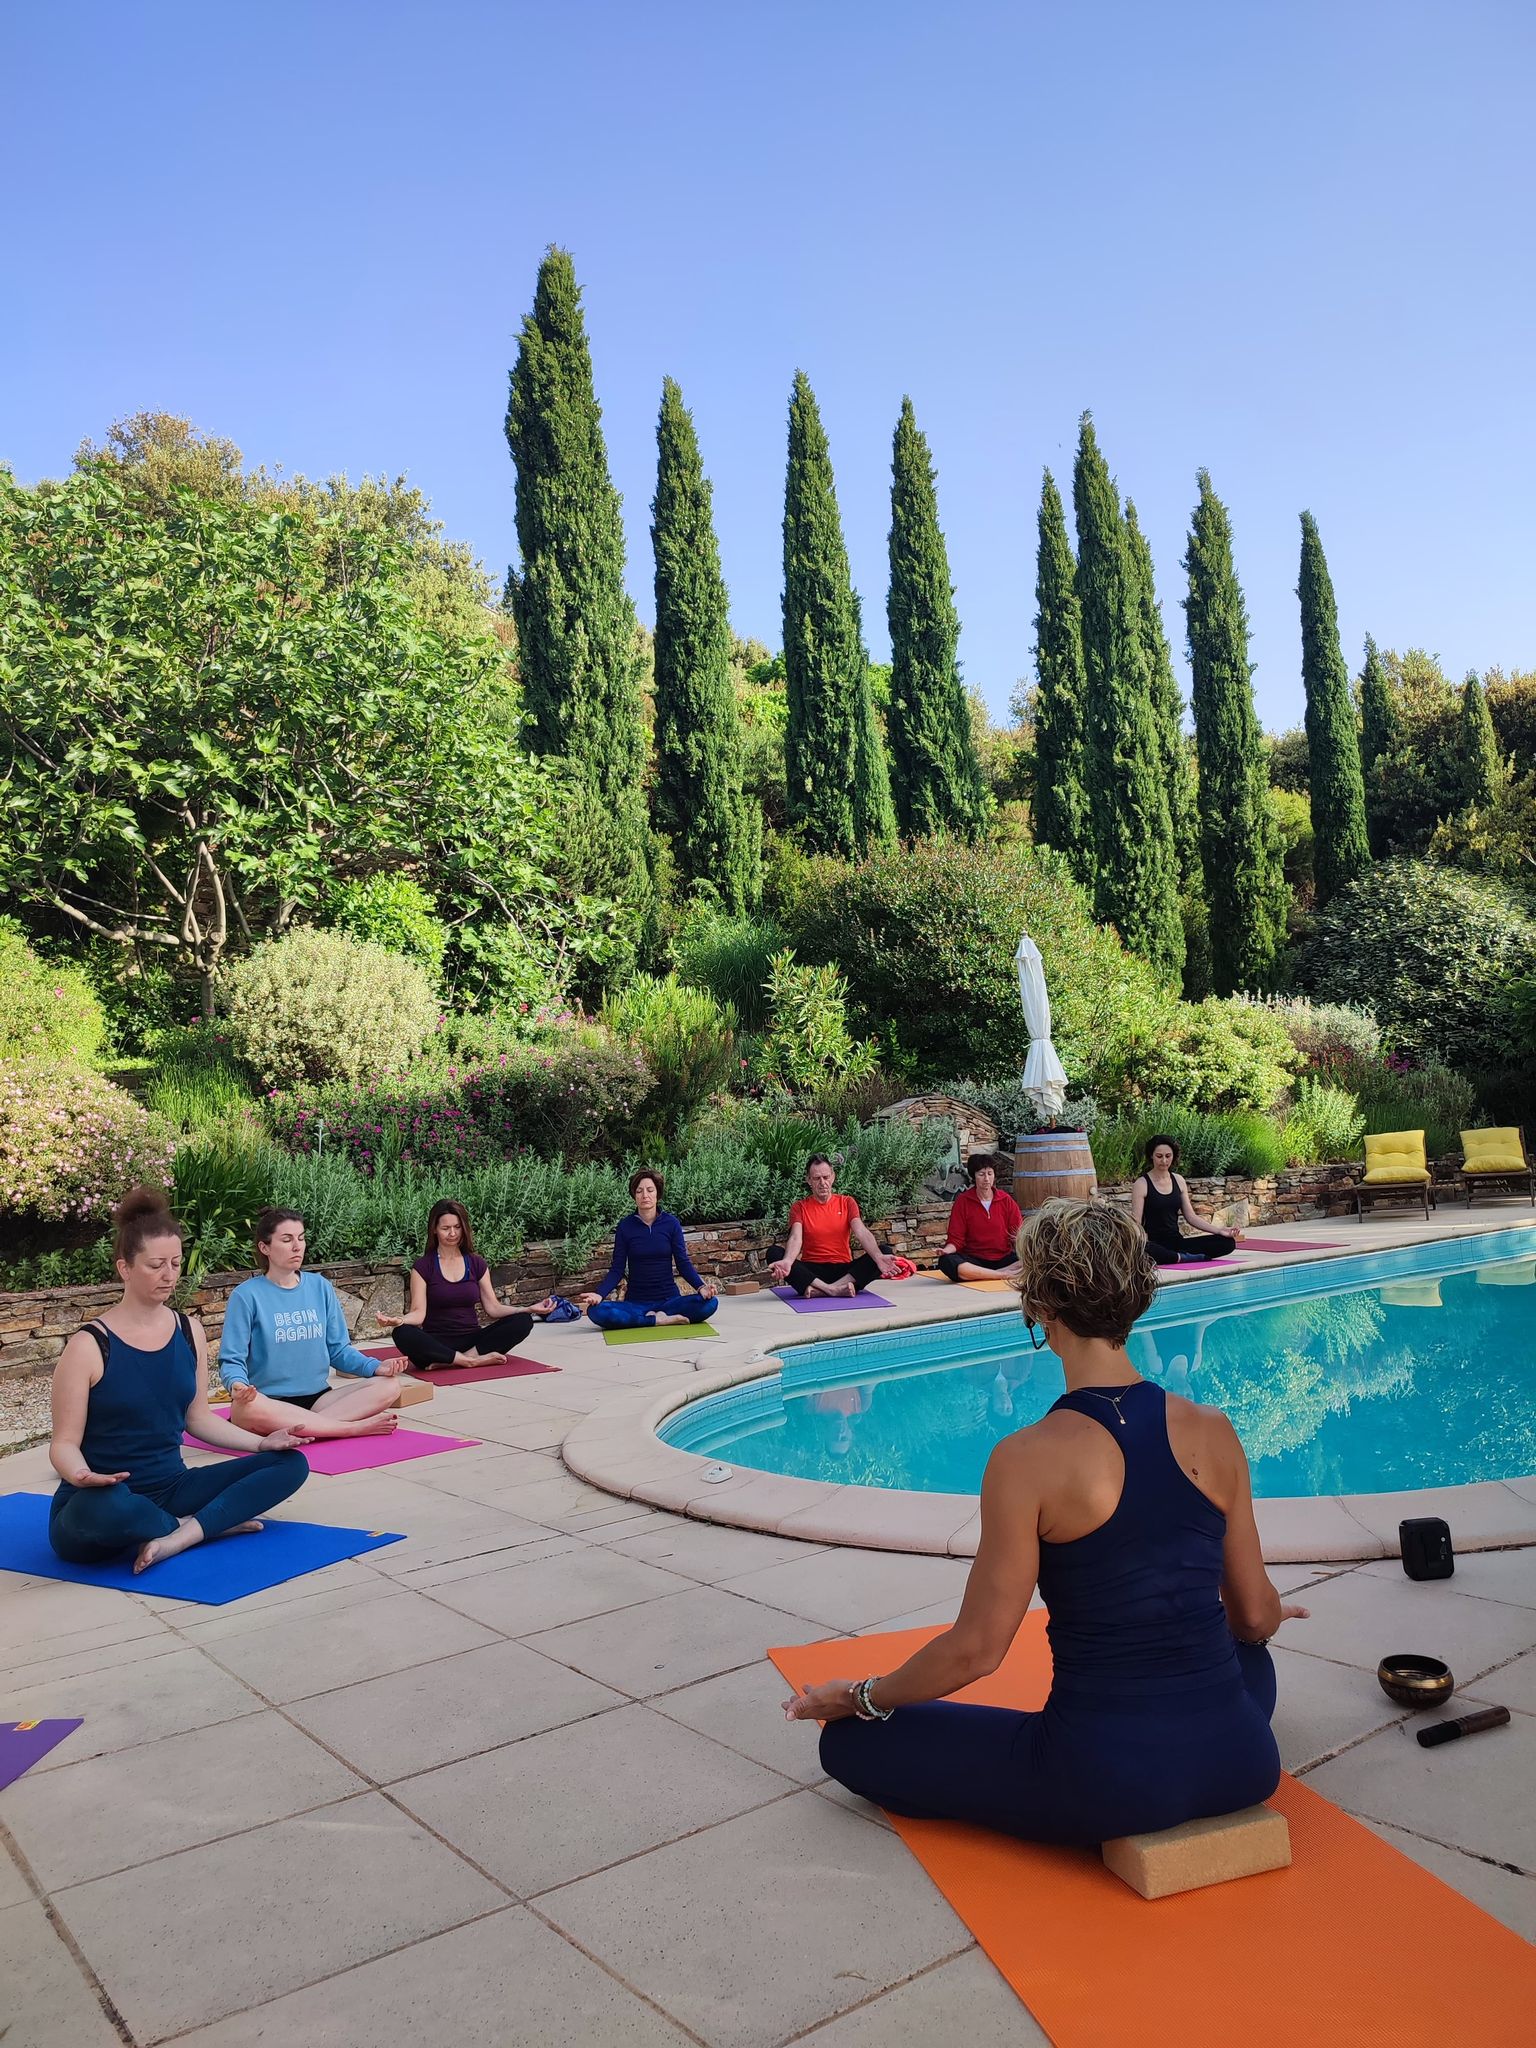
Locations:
{"points": [[283, 1332], [124, 1390], [1160, 1204], [450, 1287], [647, 1246], [823, 1229], [1132, 1511], [983, 1224]]}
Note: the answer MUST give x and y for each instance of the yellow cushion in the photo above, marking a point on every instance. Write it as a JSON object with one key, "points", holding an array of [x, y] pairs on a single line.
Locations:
{"points": [[1395, 1156], [1495, 1151]]}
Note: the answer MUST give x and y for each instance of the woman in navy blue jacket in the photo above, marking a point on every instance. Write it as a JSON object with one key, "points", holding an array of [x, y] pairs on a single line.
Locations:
{"points": [[646, 1246]]}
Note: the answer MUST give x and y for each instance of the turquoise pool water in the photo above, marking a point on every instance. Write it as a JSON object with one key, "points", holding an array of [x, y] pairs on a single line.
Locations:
{"points": [[1359, 1375]]}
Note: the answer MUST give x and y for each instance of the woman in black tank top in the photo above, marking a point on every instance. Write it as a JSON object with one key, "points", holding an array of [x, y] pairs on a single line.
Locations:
{"points": [[1160, 1204]]}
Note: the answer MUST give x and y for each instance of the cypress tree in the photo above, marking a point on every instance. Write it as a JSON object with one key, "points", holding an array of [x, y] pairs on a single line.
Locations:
{"points": [[1341, 849], [1135, 878], [576, 629], [1478, 758], [828, 735], [1240, 852], [935, 776], [697, 793], [874, 813], [1380, 730], [1060, 809], [1167, 706]]}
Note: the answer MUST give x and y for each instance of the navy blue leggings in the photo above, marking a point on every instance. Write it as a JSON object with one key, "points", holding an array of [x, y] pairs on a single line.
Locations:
{"points": [[1079, 1771], [89, 1524], [634, 1315]]}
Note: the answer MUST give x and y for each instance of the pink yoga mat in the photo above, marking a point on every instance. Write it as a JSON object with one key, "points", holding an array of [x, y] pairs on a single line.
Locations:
{"points": [[24, 1743], [466, 1375], [360, 1453], [1278, 1244], [821, 1304]]}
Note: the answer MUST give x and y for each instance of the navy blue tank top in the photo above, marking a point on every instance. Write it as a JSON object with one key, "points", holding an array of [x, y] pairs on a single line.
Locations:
{"points": [[1135, 1605], [138, 1408]]}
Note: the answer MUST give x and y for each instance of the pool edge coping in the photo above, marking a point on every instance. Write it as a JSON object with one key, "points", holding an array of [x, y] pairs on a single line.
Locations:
{"points": [[616, 1448]]}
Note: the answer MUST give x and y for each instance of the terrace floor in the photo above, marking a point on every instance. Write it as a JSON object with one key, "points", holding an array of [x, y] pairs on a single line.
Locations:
{"points": [[523, 1778]]}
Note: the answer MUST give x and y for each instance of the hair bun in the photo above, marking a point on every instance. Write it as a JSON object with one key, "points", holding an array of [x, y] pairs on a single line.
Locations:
{"points": [[138, 1202]]}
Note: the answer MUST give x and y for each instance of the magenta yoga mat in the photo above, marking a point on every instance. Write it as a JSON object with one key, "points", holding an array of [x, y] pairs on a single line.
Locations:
{"points": [[1295, 1244], [24, 1743], [822, 1304], [362, 1453]]}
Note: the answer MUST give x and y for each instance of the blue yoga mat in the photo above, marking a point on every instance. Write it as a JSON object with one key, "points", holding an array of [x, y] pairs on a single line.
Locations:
{"points": [[211, 1574]]}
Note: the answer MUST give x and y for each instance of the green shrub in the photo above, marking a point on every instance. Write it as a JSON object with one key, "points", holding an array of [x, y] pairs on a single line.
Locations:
{"points": [[143, 996], [77, 1266], [925, 936], [1216, 1055], [219, 1187], [196, 1083], [1016, 1113], [808, 1042], [71, 1143], [396, 913], [1234, 1142], [688, 1040], [1429, 952], [1326, 1035], [317, 1006], [1325, 1123], [730, 957], [47, 1011], [1397, 1096]]}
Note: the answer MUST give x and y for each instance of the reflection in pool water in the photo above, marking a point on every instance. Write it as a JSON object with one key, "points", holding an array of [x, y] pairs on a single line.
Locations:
{"points": [[1424, 1380]]}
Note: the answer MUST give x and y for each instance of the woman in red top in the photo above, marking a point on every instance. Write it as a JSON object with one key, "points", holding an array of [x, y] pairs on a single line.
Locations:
{"points": [[823, 1229], [983, 1227]]}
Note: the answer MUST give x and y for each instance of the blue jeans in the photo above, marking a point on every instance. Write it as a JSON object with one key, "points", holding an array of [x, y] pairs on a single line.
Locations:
{"points": [[90, 1524], [634, 1315]]}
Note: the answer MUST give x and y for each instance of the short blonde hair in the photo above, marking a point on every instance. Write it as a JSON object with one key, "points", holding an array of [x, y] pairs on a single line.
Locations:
{"points": [[1085, 1264]]}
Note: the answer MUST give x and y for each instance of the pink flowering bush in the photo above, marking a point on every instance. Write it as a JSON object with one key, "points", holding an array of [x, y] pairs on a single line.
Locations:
{"points": [[71, 1143], [576, 1101]]}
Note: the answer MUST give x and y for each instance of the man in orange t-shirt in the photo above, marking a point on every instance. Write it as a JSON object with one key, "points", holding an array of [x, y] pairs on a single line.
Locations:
{"points": [[823, 1230]]}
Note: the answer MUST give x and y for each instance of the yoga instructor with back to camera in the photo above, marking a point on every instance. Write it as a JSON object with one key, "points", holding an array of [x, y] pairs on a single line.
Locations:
{"points": [[1131, 1510]]}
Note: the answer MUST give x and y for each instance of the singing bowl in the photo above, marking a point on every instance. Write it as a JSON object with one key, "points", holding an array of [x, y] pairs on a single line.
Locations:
{"points": [[1415, 1681]]}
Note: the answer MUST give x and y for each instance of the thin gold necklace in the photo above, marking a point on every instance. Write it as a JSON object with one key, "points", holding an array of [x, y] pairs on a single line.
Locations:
{"points": [[1114, 1400]]}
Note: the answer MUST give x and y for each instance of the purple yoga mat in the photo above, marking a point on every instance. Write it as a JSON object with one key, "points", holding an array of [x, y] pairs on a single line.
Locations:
{"points": [[22, 1743], [819, 1304], [362, 1453]]}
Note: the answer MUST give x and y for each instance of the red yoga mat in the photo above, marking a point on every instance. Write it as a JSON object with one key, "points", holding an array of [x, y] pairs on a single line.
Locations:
{"points": [[1354, 1943], [461, 1375]]}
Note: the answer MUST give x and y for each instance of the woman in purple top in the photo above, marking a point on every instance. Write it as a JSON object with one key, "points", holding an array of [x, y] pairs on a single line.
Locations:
{"points": [[646, 1246], [450, 1285]]}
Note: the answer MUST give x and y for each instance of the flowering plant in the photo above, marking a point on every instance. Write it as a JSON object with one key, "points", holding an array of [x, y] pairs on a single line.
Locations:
{"points": [[71, 1143]]}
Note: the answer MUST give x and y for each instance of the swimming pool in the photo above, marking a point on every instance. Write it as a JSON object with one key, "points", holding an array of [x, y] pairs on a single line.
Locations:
{"points": [[1384, 1372]]}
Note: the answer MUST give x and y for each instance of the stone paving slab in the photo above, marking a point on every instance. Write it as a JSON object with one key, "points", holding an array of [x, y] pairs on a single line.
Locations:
{"points": [[192, 1937], [507, 1981], [961, 2000], [120, 1709], [48, 2003]]}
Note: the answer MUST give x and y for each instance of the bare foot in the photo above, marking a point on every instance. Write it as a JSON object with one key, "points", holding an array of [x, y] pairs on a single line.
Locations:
{"points": [[658, 1320], [818, 1287], [370, 1425], [479, 1358], [246, 1529], [844, 1286], [186, 1532]]}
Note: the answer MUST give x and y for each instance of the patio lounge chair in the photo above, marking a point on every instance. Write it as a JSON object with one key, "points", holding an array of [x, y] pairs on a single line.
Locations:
{"points": [[1396, 1170], [1496, 1158]]}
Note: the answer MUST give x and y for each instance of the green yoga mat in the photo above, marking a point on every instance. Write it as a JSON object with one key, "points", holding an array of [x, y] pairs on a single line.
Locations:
{"points": [[650, 1334]]}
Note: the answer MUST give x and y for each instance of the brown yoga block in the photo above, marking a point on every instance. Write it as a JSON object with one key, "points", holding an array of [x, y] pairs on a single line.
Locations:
{"points": [[410, 1393], [1201, 1852], [741, 1287]]}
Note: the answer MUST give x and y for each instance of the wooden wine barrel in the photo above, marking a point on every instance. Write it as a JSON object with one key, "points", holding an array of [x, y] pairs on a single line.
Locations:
{"points": [[1051, 1163]]}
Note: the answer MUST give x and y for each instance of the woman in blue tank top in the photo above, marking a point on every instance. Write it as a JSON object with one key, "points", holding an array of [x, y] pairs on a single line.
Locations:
{"points": [[1132, 1512], [124, 1389]]}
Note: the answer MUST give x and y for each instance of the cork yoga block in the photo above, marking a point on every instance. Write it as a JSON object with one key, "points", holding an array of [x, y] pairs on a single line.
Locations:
{"points": [[1051, 1163], [410, 1393], [1201, 1852]]}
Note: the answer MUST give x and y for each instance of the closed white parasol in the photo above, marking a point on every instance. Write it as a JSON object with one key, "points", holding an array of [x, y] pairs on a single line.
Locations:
{"points": [[1045, 1078]]}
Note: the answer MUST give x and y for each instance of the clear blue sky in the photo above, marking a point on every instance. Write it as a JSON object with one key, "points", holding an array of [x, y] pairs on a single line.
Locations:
{"points": [[1288, 240]]}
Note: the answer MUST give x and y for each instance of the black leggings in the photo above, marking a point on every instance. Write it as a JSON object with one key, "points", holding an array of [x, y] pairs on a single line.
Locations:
{"points": [[863, 1269], [424, 1347], [951, 1262], [89, 1524], [1192, 1250]]}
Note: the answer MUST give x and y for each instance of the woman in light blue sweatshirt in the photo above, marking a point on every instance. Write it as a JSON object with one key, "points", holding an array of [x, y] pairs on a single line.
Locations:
{"points": [[283, 1332]]}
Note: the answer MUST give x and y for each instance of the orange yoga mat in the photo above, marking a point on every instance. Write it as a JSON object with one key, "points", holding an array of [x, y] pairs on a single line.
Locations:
{"points": [[1353, 1944]]}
